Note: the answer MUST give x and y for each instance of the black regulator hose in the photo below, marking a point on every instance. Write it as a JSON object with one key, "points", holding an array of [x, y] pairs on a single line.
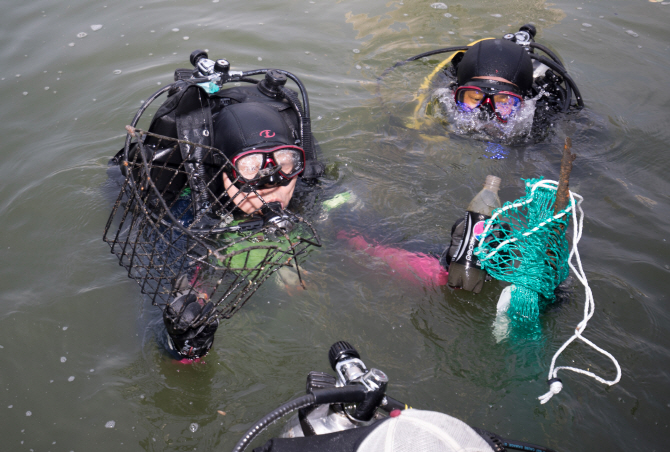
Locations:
{"points": [[423, 55], [295, 404], [551, 54], [558, 68], [345, 394], [305, 125]]}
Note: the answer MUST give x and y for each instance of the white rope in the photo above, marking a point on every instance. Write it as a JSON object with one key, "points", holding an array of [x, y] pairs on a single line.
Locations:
{"points": [[589, 308], [545, 183], [555, 386]]}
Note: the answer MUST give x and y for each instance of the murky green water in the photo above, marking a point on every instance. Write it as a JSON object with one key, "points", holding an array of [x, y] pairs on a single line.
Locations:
{"points": [[79, 341]]}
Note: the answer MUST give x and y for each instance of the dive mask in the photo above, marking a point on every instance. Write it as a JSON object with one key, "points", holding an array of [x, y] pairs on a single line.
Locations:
{"points": [[502, 103], [277, 166]]}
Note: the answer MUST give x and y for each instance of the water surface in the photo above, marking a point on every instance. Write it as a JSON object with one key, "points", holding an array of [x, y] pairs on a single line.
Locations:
{"points": [[80, 345]]}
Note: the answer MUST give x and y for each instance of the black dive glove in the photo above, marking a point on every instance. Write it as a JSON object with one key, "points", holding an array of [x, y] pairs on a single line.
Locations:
{"points": [[190, 332], [457, 233]]}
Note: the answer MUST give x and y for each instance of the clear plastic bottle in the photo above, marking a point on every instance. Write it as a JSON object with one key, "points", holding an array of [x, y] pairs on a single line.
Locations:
{"points": [[465, 269]]}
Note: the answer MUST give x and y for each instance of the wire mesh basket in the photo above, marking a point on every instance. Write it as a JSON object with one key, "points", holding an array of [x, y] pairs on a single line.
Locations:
{"points": [[174, 241]]}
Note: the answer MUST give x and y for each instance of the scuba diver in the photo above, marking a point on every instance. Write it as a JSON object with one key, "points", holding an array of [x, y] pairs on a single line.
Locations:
{"points": [[493, 89], [351, 412], [500, 89], [202, 215]]}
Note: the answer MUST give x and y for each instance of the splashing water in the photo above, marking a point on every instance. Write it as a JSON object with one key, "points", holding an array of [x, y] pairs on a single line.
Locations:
{"points": [[516, 129]]}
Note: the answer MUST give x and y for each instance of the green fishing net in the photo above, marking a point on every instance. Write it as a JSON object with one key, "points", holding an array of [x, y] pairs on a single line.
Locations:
{"points": [[524, 243]]}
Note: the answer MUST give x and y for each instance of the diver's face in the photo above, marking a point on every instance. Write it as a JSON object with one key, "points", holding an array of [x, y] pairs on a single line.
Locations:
{"points": [[250, 202]]}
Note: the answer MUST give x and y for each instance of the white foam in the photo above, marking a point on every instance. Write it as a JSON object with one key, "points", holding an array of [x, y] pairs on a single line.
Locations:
{"points": [[471, 124]]}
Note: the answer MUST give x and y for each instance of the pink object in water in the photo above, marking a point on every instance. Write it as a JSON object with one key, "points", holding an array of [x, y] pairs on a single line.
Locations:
{"points": [[407, 265], [189, 361]]}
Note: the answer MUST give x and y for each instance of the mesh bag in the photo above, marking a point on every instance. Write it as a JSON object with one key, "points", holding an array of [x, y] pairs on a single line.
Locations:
{"points": [[524, 243], [174, 244], [425, 431]]}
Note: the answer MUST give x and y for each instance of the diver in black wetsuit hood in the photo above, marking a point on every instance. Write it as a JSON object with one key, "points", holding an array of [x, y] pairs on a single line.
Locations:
{"points": [[493, 78]]}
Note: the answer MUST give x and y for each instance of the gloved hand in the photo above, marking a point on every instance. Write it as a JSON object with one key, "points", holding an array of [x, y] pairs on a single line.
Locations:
{"points": [[457, 234], [191, 334]]}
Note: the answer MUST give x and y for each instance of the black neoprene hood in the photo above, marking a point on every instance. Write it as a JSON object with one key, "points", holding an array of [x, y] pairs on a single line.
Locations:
{"points": [[497, 58], [253, 125]]}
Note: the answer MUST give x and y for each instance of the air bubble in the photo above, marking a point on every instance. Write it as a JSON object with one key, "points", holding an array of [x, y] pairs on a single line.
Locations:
{"points": [[632, 33], [65, 327], [260, 59], [117, 71], [29, 413], [447, 15], [439, 6], [586, 25], [185, 38], [25, 93], [71, 44], [110, 424], [175, 29], [356, 51], [496, 15], [82, 35], [63, 359], [70, 378], [96, 27]]}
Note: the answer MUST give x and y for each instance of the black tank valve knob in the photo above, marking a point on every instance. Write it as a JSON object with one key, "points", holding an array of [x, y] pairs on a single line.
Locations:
{"points": [[196, 56], [222, 66], [341, 350], [530, 28]]}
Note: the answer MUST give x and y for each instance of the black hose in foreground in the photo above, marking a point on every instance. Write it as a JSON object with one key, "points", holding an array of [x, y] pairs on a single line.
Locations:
{"points": [[345, 394], [258, 427]]}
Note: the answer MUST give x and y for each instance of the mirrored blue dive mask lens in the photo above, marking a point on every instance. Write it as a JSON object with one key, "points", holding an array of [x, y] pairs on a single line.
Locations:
{"points": [[471, 98]]}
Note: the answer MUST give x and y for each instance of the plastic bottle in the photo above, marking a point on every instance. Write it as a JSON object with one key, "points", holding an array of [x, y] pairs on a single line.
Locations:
{"points": [[465, 269]]}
